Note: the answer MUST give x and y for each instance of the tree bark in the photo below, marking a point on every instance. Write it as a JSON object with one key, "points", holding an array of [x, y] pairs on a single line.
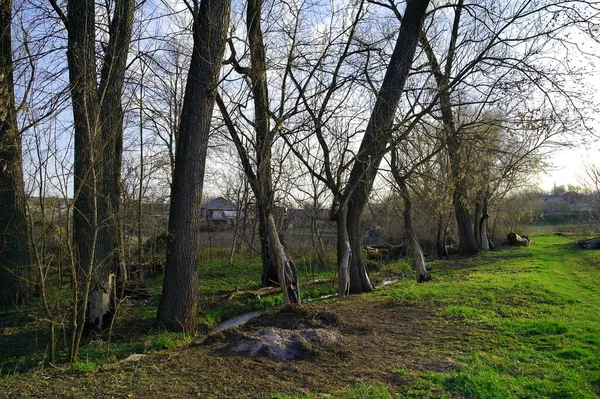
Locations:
{"points": [[98, 129], [483, 230], [421, 271], [378, 135], [269, 274], [178, 304], [468, 245], [359, 278], [343, 253], [15, 259], [317, 241], [109, 250]]}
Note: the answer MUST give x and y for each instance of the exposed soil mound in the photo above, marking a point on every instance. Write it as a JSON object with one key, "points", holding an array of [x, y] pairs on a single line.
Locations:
{"points": [[282, 345]]}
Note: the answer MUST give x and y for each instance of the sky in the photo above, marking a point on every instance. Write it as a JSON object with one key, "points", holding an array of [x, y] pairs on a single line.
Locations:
{"points": [[569, 166]]}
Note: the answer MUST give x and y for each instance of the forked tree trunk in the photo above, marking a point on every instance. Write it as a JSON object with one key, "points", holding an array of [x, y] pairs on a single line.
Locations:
{"points": [[178, 304], [109, 247], [109, 250], [15, 259], [277, 262], [98, 126]]}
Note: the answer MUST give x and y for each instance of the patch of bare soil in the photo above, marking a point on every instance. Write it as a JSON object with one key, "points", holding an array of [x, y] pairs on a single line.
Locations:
{"points": [[376, 337]]}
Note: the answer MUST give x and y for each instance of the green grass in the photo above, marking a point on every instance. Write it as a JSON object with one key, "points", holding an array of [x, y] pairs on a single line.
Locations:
{"points": [[535, 313]]}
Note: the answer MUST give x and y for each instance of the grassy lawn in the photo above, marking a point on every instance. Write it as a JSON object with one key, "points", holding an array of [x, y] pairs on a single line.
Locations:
{"points": [[536, 316]]}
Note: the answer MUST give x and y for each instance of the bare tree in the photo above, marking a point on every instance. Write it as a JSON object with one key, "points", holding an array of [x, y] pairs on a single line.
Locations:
{"points": [[14, 247], [278, 265], [178, 304], [378, 135], [98, 131]]}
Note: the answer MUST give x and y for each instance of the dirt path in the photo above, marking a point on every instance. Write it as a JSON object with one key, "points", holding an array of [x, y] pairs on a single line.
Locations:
{"points": [[378, 336]]}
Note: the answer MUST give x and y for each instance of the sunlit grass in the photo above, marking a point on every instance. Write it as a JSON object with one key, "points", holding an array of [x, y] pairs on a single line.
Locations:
{"points": [[536, 311]]}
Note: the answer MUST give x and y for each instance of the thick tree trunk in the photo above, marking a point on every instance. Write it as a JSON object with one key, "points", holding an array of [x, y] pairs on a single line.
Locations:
{"points": [[14, 246], [269, 276], [81, 58], [359, 278], [468, 245], [377, 136], [178, 304]]}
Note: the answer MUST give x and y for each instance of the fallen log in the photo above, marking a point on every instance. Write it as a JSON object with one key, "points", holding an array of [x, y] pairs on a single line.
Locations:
{"points": [[592, 243], [269, 290], [516, 240]]}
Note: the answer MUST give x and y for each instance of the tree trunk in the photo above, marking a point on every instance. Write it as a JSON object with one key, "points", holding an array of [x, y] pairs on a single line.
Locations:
{"points": [[274, 255], [442, 250], [420, 269], [286, 269], [178, 304], [81, 58], [343, 253], [483, 230], [485, 243], [269, 276], [15, 260], [468, 246], [109, 250], [98, 121], [377, 137], [317, 241], [359, 278], [477, 214]]}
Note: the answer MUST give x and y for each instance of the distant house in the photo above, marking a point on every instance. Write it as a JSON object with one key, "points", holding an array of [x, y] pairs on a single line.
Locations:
{"points": [[219, 210]]}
